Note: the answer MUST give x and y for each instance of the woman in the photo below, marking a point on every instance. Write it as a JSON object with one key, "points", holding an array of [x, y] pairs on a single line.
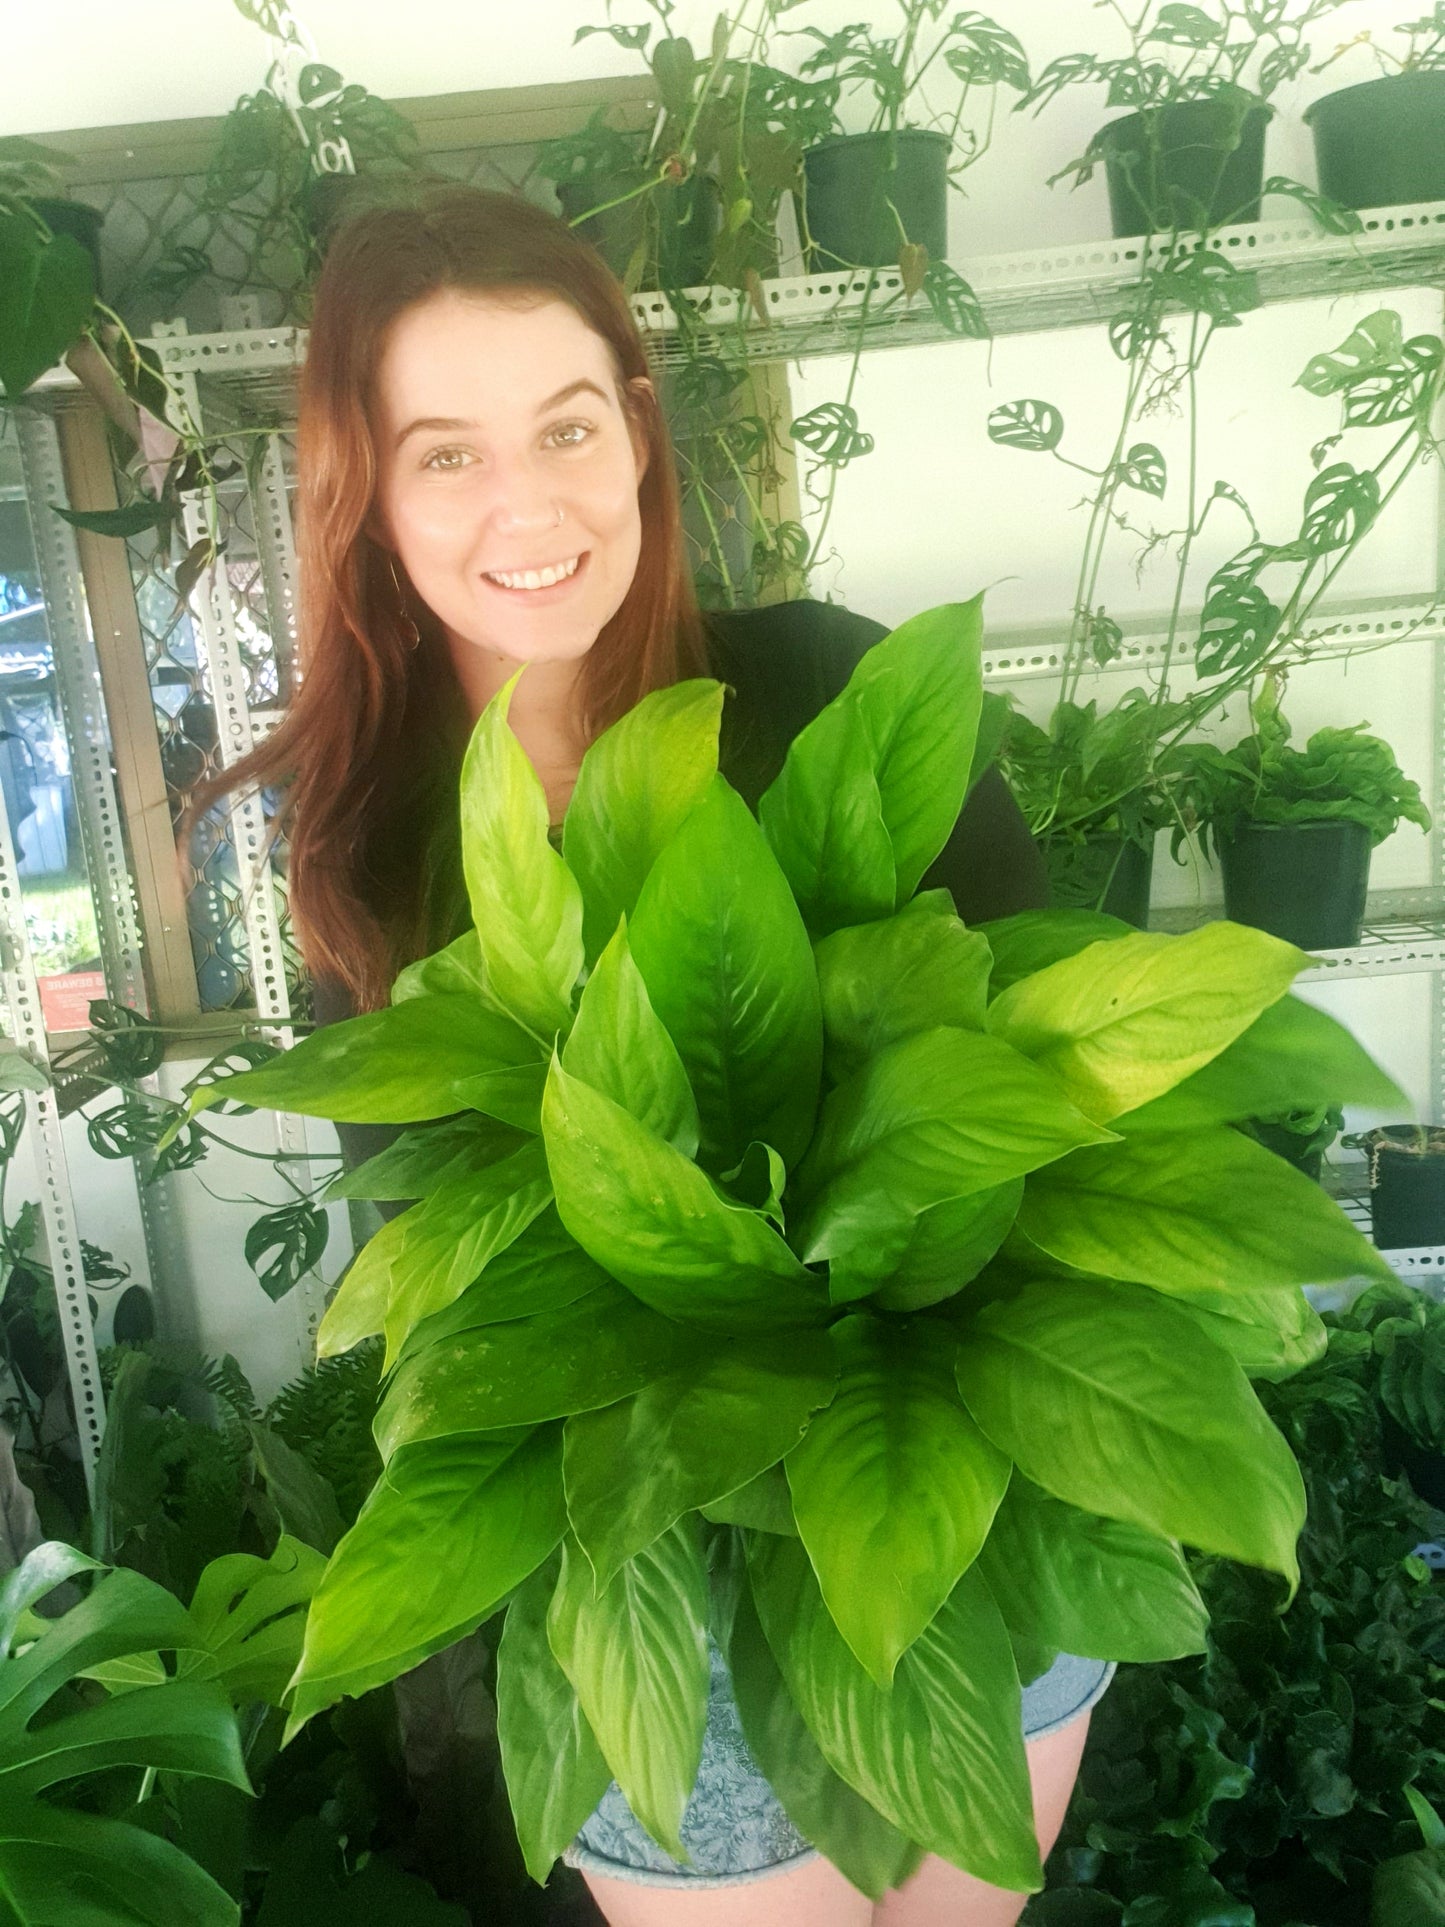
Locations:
{"points": [[485, 479]]}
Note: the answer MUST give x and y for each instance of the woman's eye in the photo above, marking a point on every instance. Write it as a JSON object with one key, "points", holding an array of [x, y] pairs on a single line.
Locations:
{"points": [[448, 458], [585, 427]]}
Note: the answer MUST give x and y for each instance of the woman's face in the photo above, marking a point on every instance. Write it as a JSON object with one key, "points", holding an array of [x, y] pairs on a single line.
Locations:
{"points": [[478, 449]]}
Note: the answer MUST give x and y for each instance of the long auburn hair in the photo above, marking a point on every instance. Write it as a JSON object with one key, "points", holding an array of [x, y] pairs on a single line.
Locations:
{"points": [[368, 754]]}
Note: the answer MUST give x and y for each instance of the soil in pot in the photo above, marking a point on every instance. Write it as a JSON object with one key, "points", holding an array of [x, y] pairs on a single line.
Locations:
{"points": [[850, 181], [1305, 882], [1407, 1185], [1109, 873], [1198, 163], [1382, 144]]}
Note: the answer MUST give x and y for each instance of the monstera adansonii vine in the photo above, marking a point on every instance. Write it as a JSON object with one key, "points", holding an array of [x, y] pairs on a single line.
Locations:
{"points": [[792, 1265]]}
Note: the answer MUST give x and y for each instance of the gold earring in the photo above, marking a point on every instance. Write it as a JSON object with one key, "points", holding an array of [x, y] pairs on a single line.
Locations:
{"points": [[407, 620]]}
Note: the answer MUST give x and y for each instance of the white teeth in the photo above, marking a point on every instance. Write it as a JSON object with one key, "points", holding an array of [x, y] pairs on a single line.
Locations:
{"points": [[537, 579]]}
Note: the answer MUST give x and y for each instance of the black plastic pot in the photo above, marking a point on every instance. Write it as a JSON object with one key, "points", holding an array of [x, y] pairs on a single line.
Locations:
{"points": [[79, 220], [1109, 873], [1407, 1186], [1382, 144], [849, 183], [1305, 882], [1198, 163], [687, 216]]}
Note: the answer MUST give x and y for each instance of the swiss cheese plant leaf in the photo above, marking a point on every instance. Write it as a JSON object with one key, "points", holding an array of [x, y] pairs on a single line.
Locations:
{"points": [[1292, 1057], [914, 702], [637, 1657], [939, 1114], [249, 1614], [599, 1348], [554, 1770], [949, 1244], [1078, 1583], [656, 1222], [637, 784], [1199, 1215], [620, 1047], [526, 905], [940, 1752], [123, 1614], [398, 1066], [88, 1871], [1115, 1401], [912, 971], [894, 1477], [728, 966], [632, 1468], [1124, 1020], [446, 1534], [867, 1849], [420, 1161], [1034, 939], [540, 1271]]}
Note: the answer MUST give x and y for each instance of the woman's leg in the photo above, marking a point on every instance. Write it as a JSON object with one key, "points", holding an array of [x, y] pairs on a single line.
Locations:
{"points": [[814, 1895], [940, 1895]]}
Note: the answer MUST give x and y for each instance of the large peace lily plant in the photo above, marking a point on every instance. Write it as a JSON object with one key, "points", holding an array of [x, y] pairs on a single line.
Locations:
{"points": [[794, 1266]]}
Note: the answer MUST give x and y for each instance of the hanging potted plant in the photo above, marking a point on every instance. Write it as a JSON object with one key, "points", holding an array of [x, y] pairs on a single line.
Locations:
{"points": [[1190, 154], [1294, 828], [735, 1157], [1381, 143], [869, 195], [1405, 1164]]}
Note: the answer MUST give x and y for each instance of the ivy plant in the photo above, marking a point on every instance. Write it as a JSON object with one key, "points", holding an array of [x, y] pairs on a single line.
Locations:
{"points": [[772, 1229]]}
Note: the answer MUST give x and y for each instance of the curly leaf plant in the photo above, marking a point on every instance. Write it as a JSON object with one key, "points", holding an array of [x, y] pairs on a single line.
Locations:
{"points": [[794, 1265]]}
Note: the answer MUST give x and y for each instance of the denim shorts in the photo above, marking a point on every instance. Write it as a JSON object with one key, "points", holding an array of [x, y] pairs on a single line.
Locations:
{"points": [[733, 1825]]}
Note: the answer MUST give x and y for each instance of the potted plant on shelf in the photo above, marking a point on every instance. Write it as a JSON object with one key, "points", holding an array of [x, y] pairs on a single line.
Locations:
{"points": [[1190, 154], [1294, 828], [712, 1114], [1381, 143], [1405, 1165], [870, 196]]}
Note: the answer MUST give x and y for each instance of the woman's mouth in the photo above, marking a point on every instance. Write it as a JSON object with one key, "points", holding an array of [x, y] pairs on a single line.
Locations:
{"points": [[516, 590]]}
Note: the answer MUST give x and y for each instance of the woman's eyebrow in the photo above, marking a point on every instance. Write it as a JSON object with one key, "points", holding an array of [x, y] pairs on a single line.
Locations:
{"points": [[451, 421]]}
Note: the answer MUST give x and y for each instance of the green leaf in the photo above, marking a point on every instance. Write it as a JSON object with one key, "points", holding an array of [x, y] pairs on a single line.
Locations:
{"points": [[1037, 427], [1340, 504], [948, 1246], [652, 1219], [455, 971], [728, 967], [1292, 1057], [449, 1529], [892, 1477], [88, 1871], [1034, 939], [179, 1727], [305, 1500], [867, 1849], [1116, 1402], [637, 784], [632, 1468], [637, 1657], [884, 980], [940, 1753], [620, 1047], [896, 745], [1268, 1334], [17, 1073], [1369, 348], [49, 1565], [602, 1347], [1199, 1215], [526, 905], [554, 1769], [1143, 468], [296, 1234], [249, 1614], [420, 1161], [1077, 1583], [1409, 1891], [134, 519], [540, 1271], [47, 295], [1126, 1019], [938, 1115], [764, 1503]]}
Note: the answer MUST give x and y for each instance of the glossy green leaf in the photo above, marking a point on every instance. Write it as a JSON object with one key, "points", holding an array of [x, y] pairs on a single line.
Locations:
{"points": [[1199, 1215], [572, 1359], [512, 1094], [638, 783], [631, 1468], [540, 1271], [913, 701], [948, 1245], [1077, 1583], [652, 1219], [83, 1870], [867, 1849], [449, 1529], [1114, 1400], [620, 1047], [1126, 1019], [940, 1753], [636, 1655], [894, 1477], [47, 295], [1269, 1334], [526, 905], [1034, 939], [764, 1503], [420, 1161], [304, 1498], [728, 967], [554, 1769], [183, 1726], [249, 1614], [884, 980], [455, 971]]}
